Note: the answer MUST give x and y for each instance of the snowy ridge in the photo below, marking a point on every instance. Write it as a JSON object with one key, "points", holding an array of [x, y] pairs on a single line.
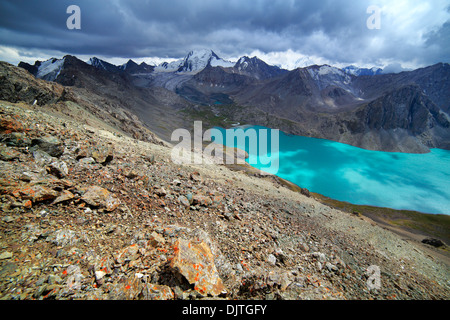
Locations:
{"points": [[49, 70], [102, 65], [327, 75], [168, 67], [95, 62], [353, 70], [325, 70], [221, 63]]}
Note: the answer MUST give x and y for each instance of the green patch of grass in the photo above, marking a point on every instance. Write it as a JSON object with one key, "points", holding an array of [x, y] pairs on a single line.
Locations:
{"points": [[435, 225]]}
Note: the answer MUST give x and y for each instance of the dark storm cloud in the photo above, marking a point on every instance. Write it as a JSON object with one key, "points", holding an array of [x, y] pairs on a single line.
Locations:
{"points": [[334, 30], [42, 24], [265, 24]]}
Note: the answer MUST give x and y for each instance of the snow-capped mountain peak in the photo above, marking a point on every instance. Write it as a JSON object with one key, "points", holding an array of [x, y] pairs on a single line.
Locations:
{"points": [[49, 70], [244, 62], [95, 62], [102, 65], [356, 71], [256, 68], [194, 62], [325, 70], [128, 64], [197, 60], [326, 75]]}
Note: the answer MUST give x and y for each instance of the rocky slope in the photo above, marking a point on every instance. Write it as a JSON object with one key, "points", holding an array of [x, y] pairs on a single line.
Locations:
{"points": [[408, 114], [89, 213]]}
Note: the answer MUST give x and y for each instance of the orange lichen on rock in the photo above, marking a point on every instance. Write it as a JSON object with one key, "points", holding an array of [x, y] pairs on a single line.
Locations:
{"points": [[10, 125], [100, 197], [195, 262]]}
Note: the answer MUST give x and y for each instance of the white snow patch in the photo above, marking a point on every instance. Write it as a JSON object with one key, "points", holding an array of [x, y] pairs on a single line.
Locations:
{"points": [[330, 70], [50, 69], [221, 63], [96, 63]]}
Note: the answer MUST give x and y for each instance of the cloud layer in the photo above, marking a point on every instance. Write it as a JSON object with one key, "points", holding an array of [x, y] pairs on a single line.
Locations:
{"points": [[413, 33]]}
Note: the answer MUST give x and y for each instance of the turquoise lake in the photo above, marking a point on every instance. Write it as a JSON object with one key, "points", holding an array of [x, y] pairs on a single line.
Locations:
{"points": [[419, 182]]}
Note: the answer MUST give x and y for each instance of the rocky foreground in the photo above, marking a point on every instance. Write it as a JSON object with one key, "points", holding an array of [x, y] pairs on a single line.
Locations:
{"points": [[88, 213]]}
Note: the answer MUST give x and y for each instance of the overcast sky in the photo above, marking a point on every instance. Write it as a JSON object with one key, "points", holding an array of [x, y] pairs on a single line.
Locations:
{"points": [[284, 32]]}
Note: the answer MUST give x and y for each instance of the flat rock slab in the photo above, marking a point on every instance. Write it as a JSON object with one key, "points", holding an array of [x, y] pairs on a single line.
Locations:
{"points": [[6, 255], [35, 193]]}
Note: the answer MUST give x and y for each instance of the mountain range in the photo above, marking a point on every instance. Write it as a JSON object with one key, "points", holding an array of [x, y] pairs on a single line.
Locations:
{"points": [[401, 112]]}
